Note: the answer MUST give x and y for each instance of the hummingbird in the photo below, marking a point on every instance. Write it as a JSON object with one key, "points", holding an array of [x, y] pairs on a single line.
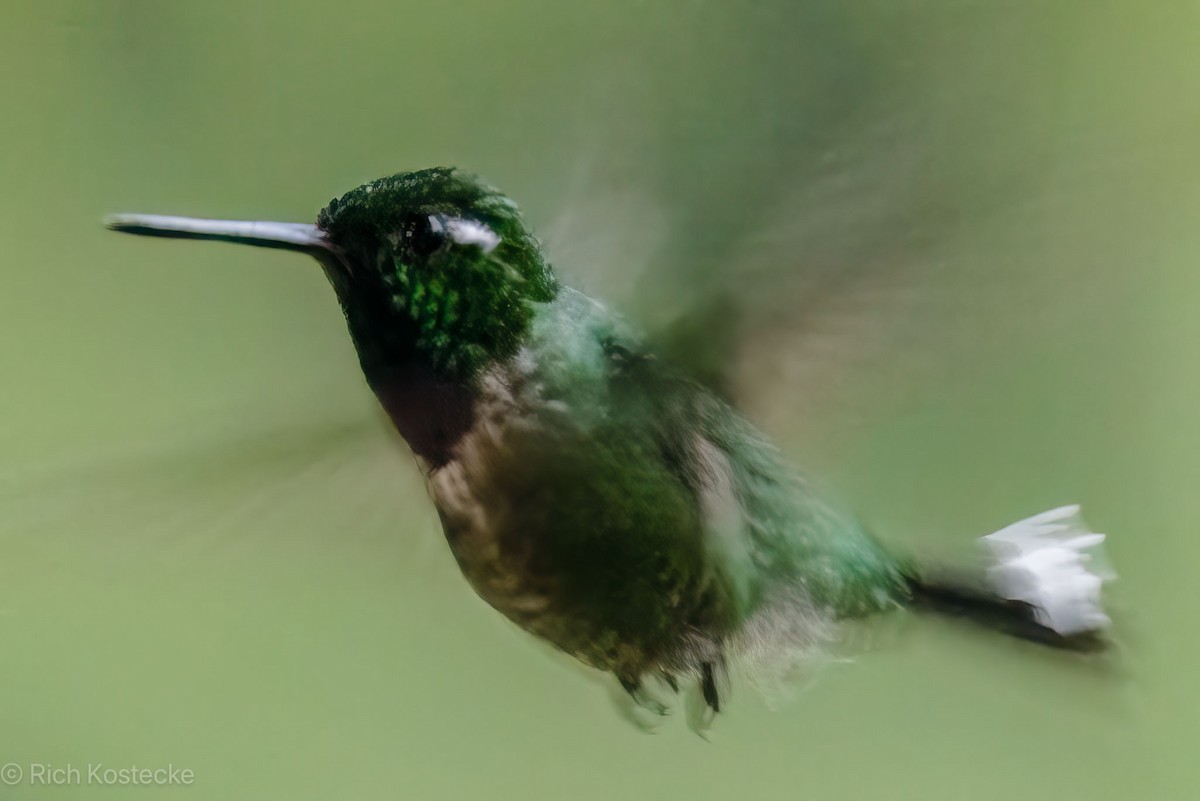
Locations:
{"points": [[599, 497]]}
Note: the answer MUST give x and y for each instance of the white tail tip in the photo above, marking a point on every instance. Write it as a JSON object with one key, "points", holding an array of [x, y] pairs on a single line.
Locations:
{"points": [[1052, 562]]}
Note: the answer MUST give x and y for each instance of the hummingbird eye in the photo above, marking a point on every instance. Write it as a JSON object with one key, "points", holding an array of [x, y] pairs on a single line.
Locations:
{"points": [[425, 235]]}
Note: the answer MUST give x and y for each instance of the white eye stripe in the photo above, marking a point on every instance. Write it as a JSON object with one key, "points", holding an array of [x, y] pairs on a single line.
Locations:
{"points": [[466, 232]]}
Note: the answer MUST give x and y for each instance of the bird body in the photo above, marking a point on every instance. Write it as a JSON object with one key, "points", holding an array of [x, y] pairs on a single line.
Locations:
{"points": [[589, 491], [630, 517]]}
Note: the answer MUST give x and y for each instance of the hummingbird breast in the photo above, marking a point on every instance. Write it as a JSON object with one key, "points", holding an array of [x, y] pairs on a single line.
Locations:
{"points": [[576, 534], [567, 514]]}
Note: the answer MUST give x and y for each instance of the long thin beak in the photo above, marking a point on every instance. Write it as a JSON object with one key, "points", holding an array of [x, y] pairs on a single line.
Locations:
{"points": [[288, 236]]}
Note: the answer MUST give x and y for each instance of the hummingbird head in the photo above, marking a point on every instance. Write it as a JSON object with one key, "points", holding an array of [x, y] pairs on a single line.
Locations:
{"points": [[433, 268], [438, 261]]}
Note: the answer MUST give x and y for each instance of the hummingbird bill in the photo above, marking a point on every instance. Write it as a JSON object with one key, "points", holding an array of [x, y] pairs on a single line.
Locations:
{"points": [[598, 496]]}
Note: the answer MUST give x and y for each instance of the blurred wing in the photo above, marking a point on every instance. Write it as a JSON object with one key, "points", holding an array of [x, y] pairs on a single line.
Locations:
{"points": [[234, 491], [778, 300], [806, 283], [817, 212]]}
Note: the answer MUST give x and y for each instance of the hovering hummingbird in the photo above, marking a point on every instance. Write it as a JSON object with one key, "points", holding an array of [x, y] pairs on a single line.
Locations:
{"points": [[591, 492]]}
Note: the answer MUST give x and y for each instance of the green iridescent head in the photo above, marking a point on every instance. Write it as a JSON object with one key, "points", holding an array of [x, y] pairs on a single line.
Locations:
{"points": [[432, 267], [440, 258]]}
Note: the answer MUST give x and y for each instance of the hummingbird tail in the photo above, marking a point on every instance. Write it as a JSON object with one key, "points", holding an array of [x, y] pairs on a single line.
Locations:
{"points": [[1044, 583]]}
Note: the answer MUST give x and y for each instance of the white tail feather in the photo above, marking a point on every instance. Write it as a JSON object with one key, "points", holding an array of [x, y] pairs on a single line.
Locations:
{"points": [[1052, 562]]}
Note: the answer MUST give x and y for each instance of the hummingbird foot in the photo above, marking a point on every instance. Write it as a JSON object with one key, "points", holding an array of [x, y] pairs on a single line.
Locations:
{"points": [[704, 699], [642, 706]]}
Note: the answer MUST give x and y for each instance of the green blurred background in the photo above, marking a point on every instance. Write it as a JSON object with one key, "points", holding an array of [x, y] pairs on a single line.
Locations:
{"points": [[213, 555]]}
